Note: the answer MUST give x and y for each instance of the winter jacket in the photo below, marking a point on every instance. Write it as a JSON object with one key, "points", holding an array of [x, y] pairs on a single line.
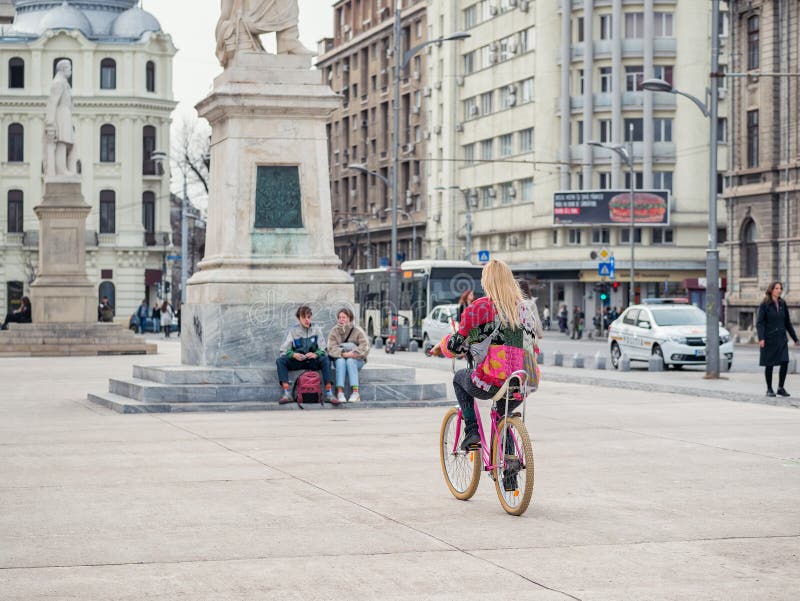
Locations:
{"points": [[357, 337], [772, 325], [303, 340], [166, 316]]}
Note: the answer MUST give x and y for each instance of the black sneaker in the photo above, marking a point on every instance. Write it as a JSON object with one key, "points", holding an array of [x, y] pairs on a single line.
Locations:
{"points": [[770, 392], [471, 442], [782, 392]]}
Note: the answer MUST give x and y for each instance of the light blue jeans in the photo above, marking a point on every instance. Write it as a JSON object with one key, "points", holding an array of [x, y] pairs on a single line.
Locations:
{"points": [[350, 367]]}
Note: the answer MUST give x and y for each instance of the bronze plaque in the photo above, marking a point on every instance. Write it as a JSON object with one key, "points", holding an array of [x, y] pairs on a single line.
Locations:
{"points": [[278, 199]]}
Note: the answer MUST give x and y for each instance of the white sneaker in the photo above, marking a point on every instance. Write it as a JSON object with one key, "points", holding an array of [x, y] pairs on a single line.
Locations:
{"points": [[354, 398], [341, 398]]}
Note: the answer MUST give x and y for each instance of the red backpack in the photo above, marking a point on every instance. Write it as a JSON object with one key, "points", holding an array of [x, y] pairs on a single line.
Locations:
{"points": [[308, 388]]}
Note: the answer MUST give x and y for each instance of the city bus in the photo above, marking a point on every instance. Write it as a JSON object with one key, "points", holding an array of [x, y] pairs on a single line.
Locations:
{"points": [[423, 286]]}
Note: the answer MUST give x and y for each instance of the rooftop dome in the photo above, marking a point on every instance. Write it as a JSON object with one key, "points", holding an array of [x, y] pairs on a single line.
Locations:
{"points": [[65, 17], [133, 23]]}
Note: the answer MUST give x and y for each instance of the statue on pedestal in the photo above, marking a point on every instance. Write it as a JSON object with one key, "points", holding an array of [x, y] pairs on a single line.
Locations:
{"points": [[243, 21], [59, 131]]}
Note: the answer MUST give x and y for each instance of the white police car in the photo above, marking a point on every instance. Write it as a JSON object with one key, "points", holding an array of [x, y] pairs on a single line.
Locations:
{"points": [[675, 332]]}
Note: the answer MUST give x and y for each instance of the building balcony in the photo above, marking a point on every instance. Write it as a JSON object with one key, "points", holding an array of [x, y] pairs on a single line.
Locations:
{"points": [[106, 239], [665, 47], [664, 152]]}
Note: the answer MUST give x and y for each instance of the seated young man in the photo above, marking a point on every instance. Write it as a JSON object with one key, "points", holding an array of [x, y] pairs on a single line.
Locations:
{"points": [[304, 348]]}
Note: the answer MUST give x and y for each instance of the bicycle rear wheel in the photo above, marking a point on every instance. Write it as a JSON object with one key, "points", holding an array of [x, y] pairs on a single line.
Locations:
{"points": [[513, 474], [461, 469]]}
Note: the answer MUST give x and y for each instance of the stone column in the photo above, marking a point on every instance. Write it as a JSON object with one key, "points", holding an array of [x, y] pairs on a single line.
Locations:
{"points": [[269, 238], [61, 292]]}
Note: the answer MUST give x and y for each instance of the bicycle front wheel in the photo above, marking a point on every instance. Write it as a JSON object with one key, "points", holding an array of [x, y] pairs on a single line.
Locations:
{"points": [[513, 472], [461, 469]]}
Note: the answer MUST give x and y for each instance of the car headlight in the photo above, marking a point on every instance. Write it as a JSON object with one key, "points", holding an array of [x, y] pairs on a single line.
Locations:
{"points": [[724, 338], [678, 339]]}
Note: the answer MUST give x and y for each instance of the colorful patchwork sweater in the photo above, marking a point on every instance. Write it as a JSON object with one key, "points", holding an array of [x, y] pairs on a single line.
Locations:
{"points": [[507, 349]]}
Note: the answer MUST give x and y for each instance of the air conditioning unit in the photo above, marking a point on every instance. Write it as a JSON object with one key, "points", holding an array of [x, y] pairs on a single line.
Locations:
{"points": [[353, 193], [511, 88], [513, 241], [427, 92], [409, 198], [415, 109], [722, 92], [492, 193], [512, 46], [437, 129], [364, 124], [512, 100], [437, 218], [512, 3], [415, 75], [492, 57], [438, 85], [492, 9], [346, 68], [409, 148], [427, 135], [459, 80], [493, 47], [459, 127], [346, 29], [415, 180], [524, 5], [474, 111], [512, 192]]}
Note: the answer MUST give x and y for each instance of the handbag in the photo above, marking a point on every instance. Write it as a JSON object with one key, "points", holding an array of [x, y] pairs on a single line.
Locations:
{"points": [[479, 350]]}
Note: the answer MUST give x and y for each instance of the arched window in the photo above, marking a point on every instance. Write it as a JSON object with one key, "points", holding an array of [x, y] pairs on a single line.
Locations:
{"points": [[148, 147], [16, 73], [15, 208], [108, 143], [16, 143], [108, 212], [108, 74], [749, 249], [55, 65], [149, 217], [150, 76]]}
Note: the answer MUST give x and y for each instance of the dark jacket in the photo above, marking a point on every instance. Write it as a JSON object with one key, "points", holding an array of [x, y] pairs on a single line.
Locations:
{"points": [[24, 314], [772, 325]]}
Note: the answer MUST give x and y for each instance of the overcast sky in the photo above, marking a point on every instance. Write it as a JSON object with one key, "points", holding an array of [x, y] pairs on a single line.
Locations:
{"points": [[191, 24]]}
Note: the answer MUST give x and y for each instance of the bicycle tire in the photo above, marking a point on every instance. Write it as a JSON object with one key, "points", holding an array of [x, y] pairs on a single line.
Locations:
{"points": [[468, 465], [514, 502]]}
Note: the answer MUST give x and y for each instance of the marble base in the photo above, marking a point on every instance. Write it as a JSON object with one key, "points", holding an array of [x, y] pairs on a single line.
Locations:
{"points": [[71, 339]]}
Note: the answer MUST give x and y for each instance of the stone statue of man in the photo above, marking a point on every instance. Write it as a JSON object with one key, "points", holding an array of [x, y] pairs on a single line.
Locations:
{"points": [[243, 21], [58, 128]]}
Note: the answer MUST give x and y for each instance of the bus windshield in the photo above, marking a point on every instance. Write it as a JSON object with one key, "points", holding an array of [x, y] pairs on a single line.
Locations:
{"points": [[447, 284]]}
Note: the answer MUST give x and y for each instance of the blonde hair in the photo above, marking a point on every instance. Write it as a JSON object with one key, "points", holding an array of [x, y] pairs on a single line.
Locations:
{"points": [[503, 290]]}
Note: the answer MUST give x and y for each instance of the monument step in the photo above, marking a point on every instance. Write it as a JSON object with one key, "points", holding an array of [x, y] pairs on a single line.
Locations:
{"points": [[182, 374], [76, 350], [151, 392], [123, 404]]}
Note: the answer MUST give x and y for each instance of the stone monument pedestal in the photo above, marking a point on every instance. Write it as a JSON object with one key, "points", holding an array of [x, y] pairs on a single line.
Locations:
{"points": [[61, 292], [269, 243]]}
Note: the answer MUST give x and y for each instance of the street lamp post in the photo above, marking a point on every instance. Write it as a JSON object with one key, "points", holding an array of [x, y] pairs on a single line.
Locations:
{"points": [[160, 156], [401, 60], [626, 155], [712, 254]]}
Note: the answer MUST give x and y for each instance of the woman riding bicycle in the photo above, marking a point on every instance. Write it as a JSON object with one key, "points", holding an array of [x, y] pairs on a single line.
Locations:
{"points": [[513, 324]]}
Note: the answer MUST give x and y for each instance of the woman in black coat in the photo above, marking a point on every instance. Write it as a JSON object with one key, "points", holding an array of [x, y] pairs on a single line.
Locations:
{"points": [[21, 315], [772, 325]]}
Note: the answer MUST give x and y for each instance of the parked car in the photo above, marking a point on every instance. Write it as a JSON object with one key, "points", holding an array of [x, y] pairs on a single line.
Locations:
{"points": [[437, 324], [675, 332]]}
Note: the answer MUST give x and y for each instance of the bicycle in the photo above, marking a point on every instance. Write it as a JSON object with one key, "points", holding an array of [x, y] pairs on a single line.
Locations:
{"points": [[512, 470]]}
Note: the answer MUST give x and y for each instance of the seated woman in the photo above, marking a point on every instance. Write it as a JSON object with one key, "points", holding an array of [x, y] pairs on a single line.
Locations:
{"points": [[513, 323], [348, 346], [21, 315]]}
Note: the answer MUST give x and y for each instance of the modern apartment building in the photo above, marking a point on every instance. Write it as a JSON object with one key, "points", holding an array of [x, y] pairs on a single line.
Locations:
{"points": [[763, 205], [358, 63], [534, 83], [122, 91]]}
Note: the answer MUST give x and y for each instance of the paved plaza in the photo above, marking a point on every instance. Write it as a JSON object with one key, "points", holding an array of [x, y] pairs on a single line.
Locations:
{"points": [[640, 496]]}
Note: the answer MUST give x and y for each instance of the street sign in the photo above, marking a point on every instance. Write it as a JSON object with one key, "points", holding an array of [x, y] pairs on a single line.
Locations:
{"points": [[483, 256], [604, 254], [605, 269], [173, 257]]}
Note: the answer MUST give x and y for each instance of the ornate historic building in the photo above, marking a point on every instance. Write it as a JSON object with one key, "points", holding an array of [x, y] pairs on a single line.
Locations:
{"points": [[764, 195], [122, 90]]}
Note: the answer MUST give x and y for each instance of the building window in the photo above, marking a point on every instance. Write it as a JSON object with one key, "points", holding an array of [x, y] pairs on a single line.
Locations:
{"points": [[605, 79], [573, 236], [507, 193], [471, 16], [469, 153], [662, 25], [605, 27], [16, 73], [108, 217], [580, 81], [605, 130], [469, 63], [749, 250], [526, 90], [663, 72], [527, 39], [508, 96], [634, 74], [108, 143], [526, 189], [506, 145], [108, 74], [638, 177], [662, 180], [752, 139], [148, 147], [487, 149], [487, 196], [662, 130], [580, 132], [625, 235], [601, 235], [487, 103], [150, 76], [16, 143], [149, 212], [662, 235], [634, 25], [55, 67], [605, 180], [634, 130], [15, 207], [555, 236], [470, 108], [722, 129], [752, 43], [526, 140], [579, 29]]}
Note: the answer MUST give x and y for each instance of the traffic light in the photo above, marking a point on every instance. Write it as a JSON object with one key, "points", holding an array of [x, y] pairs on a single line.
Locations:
{"points": [[615, 286]]}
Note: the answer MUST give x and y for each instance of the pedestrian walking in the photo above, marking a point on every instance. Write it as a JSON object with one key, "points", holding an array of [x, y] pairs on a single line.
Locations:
{"points": [[772, 325], [166, 316]]}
